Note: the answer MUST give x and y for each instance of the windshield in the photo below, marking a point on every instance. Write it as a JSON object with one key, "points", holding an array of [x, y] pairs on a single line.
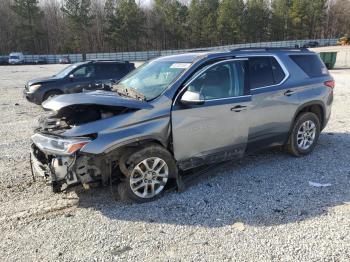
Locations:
{"points": [[153, 78], [65, 71], [14, 57]]}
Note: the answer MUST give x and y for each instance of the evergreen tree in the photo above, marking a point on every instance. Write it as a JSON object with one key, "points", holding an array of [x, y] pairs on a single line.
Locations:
{"points": [[110, 24], [257, 19], [280, 20], [170, 23], [28, 29], [79, 19], [61, 26], [229, 23], [202, 19], [195, 17], [129, 27], [307, 18]]}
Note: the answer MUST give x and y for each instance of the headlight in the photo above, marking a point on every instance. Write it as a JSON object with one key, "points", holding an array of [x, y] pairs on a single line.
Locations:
{"points": [[57, 145], [33, 88]]}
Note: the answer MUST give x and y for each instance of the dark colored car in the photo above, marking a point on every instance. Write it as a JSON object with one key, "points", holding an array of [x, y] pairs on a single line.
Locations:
{"points": [[4, 60], [90, 75], [311, 44], [64, 60], [40, 61], [180, 112]]}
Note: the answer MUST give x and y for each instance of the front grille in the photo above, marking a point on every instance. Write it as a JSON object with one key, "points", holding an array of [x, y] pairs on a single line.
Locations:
{"points": [[39, 155]]}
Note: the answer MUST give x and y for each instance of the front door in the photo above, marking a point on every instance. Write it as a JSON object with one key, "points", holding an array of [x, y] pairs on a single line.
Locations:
{"points": [[82, 78], [216, 129]]}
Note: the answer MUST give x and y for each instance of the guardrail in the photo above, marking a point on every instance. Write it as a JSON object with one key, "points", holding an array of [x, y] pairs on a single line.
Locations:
{"points": [[146, 55]]}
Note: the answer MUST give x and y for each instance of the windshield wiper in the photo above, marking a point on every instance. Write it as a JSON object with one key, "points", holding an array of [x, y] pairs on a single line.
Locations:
{"points": [[129, 92]]}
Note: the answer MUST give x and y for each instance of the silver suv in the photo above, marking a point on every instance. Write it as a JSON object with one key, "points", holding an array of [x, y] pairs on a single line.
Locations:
{"points": [[179, 112]]}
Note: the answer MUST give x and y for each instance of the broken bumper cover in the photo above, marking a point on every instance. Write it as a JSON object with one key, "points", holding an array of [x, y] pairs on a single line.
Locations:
{"points": [[56, 170], [53, 158], [66, 171], [38, 168]]}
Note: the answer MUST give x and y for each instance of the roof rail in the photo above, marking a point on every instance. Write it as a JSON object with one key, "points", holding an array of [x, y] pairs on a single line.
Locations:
{"points": [[270, 49], [105, 60]]}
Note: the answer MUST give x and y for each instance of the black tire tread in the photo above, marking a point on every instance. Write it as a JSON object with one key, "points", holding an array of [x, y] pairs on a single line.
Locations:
{"points": [[291, 146]]}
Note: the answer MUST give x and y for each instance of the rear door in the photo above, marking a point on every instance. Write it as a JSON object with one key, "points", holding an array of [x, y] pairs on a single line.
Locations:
{"points": [[107, 73], [217, 129], [273, 102]]}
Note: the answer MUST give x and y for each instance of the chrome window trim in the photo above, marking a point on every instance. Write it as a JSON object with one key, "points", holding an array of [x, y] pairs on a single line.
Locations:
{"points": [[225, 98], [278, 61], [205, 69]]}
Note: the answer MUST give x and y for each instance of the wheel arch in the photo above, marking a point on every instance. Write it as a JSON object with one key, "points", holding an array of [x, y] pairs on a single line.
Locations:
{"points": [[137, 142], [316, 107], [116, 153], [58, 91]]}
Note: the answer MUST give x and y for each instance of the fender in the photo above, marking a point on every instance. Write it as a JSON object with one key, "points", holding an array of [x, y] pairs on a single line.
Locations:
{"points": [[305, 105]]}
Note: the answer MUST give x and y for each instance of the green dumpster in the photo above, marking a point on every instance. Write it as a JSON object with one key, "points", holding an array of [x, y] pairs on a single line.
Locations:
{"points": [[329, 59]]}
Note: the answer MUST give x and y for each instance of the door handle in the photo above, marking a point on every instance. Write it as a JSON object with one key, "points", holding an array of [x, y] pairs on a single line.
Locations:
{"points": [[289, 93], [238, 108]]}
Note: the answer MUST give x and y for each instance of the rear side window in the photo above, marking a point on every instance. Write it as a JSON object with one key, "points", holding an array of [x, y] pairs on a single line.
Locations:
{"points": [[110, 70], [264, 71], [278, 73], [310, 64]]}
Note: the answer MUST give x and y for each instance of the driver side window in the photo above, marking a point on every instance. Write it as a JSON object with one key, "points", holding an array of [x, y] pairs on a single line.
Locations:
{"points": [[85, 72], [220, 81]]}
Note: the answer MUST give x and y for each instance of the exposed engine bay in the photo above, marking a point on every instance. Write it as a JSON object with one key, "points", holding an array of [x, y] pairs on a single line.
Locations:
{"points": [[64, 149], [76, 115], [74, 168]]}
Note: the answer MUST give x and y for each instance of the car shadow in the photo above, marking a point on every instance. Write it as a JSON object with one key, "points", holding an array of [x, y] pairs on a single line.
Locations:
{"points": [[264, 189]]}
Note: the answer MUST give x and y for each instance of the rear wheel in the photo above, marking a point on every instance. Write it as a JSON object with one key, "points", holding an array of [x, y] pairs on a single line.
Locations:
{"points": [[304, 135], [148, 172]]}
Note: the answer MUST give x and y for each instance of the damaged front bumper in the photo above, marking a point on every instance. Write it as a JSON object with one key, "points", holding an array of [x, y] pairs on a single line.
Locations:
{"points": [[54, 169], [59, 161], [54, 158]]}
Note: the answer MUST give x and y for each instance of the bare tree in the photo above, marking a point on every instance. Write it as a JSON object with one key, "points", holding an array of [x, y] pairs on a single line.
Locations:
{"points": [[72, 26]]}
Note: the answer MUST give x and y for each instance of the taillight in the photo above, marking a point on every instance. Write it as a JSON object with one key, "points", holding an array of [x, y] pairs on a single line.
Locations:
{"points": [[330, 83]]}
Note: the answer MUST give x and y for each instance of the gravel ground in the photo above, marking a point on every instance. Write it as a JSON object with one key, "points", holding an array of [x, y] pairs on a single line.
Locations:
{"points": [[260, 209]]}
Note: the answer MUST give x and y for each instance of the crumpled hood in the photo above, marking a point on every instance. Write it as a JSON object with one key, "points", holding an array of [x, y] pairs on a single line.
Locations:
{"points": [[105, 98], [41, 80]]}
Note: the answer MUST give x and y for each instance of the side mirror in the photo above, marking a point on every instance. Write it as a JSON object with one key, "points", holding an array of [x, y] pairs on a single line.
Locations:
{"points": [[192, 98], [71, 76]]}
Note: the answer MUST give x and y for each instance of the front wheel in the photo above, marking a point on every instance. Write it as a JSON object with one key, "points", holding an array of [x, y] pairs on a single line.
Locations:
{"points": [[51, 94], [149, 171], [304, 135]]}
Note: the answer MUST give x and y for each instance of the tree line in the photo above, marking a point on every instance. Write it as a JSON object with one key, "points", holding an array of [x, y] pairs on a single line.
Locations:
{"points": [[82, 26]]}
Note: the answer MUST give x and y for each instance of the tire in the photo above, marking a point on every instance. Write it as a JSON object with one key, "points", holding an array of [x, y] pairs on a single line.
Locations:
{"points": [[51, 94], [143, 184], [304, 135]]}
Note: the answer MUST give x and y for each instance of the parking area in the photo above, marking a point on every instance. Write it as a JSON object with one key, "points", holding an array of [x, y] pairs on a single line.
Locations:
{"points": [[267, 207]]}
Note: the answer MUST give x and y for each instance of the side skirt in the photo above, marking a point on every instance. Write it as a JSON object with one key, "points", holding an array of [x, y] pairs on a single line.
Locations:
{"points": [[212, 158]]}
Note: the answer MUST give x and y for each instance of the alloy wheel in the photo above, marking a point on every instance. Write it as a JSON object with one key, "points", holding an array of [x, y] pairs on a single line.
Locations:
{"points": [[306, 134], [148, 178]]}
